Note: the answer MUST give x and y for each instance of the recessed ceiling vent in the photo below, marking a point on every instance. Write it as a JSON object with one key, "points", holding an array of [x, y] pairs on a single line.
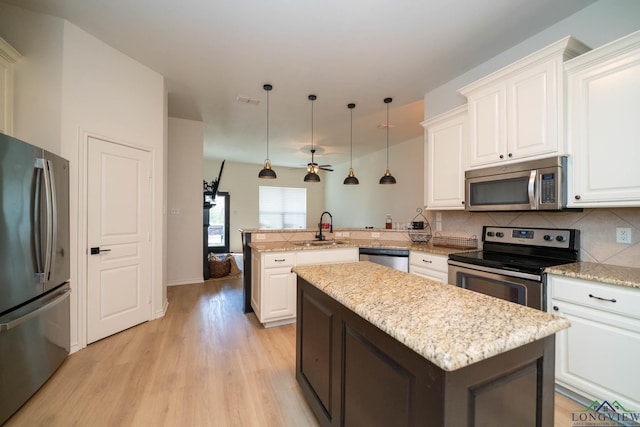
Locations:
{"points": [[247, 100]]}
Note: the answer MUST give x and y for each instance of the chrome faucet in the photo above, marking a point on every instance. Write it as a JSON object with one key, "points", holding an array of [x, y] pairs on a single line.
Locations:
{"points": [[319, 236]]}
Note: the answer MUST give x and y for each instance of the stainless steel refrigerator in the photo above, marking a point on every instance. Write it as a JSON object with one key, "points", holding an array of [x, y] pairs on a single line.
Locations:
{"points": [[34, 270]]}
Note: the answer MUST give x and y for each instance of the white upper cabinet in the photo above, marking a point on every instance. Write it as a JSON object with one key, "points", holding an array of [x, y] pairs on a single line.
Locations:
{"points": [[518, 112], [604, 125], [8, 56], [445, 159]]}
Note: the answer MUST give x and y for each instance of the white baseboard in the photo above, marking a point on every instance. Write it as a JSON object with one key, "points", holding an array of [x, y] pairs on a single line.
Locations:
{"points": [[186, 281]]}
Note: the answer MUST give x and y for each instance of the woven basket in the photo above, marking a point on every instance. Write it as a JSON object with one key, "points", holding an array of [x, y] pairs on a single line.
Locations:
{"points": [[218, 267]]}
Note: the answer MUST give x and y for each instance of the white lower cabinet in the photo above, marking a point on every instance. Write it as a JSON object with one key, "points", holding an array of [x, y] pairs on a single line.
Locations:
{"points": [[273, 287], [429, 266], [273, 284], [597, 357]]}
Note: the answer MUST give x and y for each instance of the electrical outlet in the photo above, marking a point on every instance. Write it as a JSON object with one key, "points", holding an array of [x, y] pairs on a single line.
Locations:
{"points": [[623, 235], [375, 235], [338, 233], [345, 234], [175, 211], [438, 216], [260, 236]]}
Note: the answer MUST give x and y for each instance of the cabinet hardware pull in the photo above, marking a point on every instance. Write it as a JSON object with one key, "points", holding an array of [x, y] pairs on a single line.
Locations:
{"points": [[602, 299], [501, 156], [577, 197], [556, 308], [463, 202], [510, 155], [279, 260], [427, 261]]}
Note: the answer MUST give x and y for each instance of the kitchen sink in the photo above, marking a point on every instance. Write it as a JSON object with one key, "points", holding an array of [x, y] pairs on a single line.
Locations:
{"points": [[319, 243]]}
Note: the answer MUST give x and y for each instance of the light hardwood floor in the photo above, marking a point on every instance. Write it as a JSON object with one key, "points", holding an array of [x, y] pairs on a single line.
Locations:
{"points": [[205, 363]]}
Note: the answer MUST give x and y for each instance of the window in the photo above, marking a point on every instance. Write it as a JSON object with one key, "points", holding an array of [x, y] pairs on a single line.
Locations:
{"points": [[282, 207]]}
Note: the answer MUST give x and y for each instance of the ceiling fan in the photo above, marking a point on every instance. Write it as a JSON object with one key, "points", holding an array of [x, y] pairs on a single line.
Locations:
{"points": [[316, 167]]}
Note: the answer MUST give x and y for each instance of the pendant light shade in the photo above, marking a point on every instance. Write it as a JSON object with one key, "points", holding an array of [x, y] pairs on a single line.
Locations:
{"points": [[351, 178], [266, 171], [311, 175], [387, 178]]}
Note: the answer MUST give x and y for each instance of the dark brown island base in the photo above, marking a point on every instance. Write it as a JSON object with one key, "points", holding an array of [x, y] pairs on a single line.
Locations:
{"points": [[377, 347]]}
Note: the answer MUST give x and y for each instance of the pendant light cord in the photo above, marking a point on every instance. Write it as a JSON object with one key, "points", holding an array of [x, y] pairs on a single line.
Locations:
{"points": [[387, 135], [267, 124], [351, 144]]}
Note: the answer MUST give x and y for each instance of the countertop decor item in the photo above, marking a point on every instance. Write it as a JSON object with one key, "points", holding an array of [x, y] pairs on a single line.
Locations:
{"points": [[420, 231], [266, 171], [455, 241], [387, 178], [351, 178], [312, 175]]}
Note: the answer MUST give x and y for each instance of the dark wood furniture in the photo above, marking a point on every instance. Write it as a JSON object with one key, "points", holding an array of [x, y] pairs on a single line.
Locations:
{"points": [[354, 374]]}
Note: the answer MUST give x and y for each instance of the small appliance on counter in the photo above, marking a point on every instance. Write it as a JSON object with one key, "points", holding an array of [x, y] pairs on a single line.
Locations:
{"points": [[34, 270]]}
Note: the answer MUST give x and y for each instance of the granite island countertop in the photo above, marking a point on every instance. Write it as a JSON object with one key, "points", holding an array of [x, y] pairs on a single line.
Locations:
{"points": [[449, 326], [604, 273], [283, 246]]}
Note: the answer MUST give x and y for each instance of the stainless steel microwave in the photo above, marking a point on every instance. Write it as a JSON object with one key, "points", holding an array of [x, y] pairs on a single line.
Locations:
{"points": [[536, 185]]}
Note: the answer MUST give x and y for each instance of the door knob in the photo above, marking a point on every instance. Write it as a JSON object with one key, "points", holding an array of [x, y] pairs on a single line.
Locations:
{"points": [[96, 250]]}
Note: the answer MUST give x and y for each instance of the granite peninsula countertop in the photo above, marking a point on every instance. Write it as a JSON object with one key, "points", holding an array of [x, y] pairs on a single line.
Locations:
{"points": [[282, 246], [449, 326], [604, 273]]}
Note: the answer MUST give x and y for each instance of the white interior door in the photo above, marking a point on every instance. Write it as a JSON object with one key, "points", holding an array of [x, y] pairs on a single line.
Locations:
{"points": [[119, 240]]}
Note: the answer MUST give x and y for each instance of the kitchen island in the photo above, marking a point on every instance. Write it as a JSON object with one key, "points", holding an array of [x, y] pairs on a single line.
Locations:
{"points": [[376, 346]]}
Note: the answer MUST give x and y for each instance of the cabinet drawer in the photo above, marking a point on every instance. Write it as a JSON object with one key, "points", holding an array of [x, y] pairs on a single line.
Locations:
{"points": [[279, 259], [327, 256], [427, 260], [597, 295]]}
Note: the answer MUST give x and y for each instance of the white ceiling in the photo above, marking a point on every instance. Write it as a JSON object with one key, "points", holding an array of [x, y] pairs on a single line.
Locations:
{"points": [[343, 51]]}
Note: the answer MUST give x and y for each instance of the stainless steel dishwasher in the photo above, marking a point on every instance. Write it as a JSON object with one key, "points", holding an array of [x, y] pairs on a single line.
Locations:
{"points": [[394, 258]]}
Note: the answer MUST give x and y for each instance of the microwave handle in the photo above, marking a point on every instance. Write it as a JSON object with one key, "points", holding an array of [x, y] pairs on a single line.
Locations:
{"points": [[531, 188]]}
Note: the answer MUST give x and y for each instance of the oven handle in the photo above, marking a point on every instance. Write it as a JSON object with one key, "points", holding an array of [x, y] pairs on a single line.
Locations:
{"points": [[531, 189], [502, 272]]}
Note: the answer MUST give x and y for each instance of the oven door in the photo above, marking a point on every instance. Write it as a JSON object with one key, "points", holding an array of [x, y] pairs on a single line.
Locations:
{"points": [[521, 288]]}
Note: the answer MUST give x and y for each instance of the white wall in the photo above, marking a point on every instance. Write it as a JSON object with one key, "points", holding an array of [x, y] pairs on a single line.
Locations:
{"points": [[184, 202], [368, 203], [70, 84], [241, 181]]}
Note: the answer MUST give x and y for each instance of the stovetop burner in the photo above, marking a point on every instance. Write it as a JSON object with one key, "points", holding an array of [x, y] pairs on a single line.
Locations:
{"points": [[528, 250]]}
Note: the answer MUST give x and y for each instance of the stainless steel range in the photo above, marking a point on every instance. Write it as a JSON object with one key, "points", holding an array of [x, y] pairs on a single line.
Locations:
{"points": [[512, 262]]}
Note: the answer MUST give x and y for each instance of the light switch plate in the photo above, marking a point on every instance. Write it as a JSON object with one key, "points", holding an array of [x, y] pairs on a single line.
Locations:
{"points": [[260, 236], [375, 234]]}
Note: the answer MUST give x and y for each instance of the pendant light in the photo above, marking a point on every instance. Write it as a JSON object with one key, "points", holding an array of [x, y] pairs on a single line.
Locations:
{"points": [[387, 178], [311, 175], [266, 171], [351, 178]]}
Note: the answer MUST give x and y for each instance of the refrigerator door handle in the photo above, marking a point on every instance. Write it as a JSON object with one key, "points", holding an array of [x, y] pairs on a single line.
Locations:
{"points": [[15, 322], [37, 222], [54, 220], [45, 165]]}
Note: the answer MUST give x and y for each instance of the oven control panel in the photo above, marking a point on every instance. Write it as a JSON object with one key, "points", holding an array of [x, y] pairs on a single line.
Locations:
{"points": [[549, 237]]}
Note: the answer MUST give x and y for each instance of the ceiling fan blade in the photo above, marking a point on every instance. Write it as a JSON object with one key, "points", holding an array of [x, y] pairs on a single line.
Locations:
{"points": [[326, 169]]}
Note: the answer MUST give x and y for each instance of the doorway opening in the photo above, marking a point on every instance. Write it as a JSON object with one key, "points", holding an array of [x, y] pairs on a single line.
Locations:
{"points": [[218, 236]]}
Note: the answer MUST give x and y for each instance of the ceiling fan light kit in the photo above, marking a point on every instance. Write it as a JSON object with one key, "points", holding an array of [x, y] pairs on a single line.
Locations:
{"points": [[387, 178], [351, 178], [311, 175], [267, 172]]}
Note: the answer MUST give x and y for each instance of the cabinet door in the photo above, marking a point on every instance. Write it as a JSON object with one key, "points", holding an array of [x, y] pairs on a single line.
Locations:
{"points": [[488, 125], [279, 294], [533, 104], [604, 100], [597, 357], [445, 160]]}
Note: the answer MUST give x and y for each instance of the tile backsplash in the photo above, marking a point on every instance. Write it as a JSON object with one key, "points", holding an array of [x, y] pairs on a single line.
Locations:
{"points": [[597, 229]]}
